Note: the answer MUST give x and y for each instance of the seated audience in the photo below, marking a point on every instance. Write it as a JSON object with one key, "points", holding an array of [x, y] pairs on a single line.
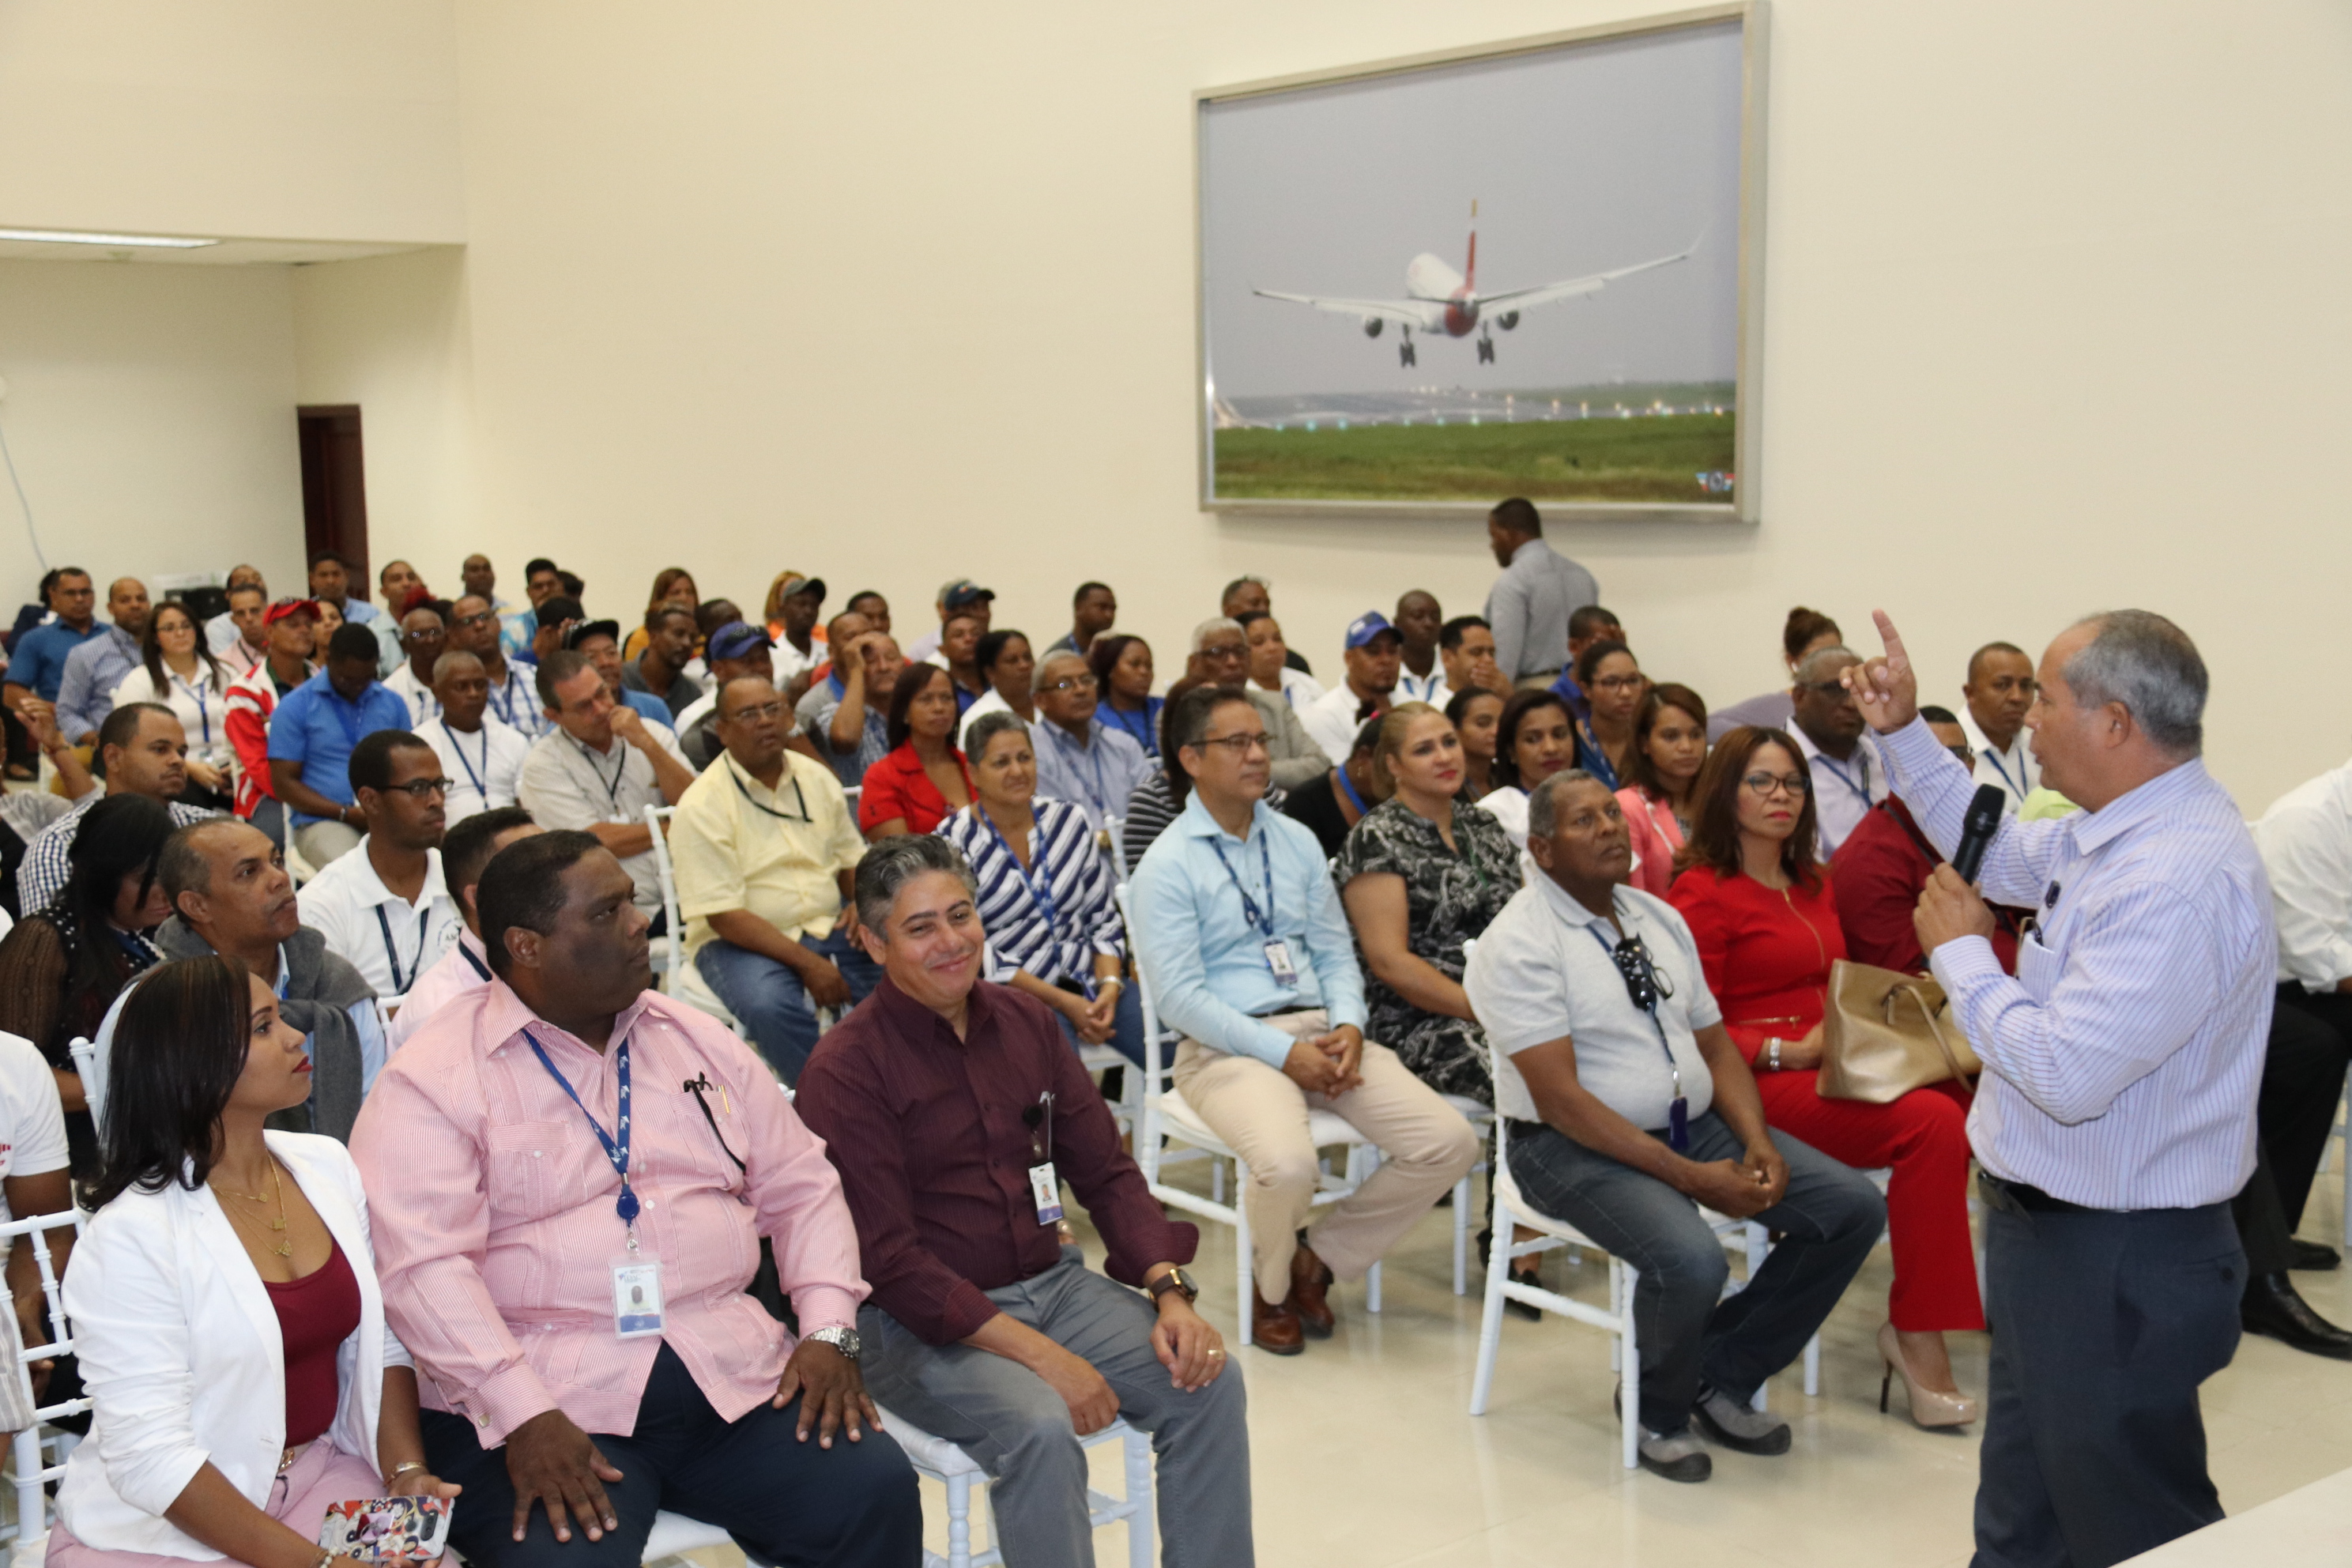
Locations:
{"points": [[1534, 739], [519, 633], [1220, 655], [384, 909], [480, 757], [1330, 806], [1080, 759], [598, 769], [330, 584], [62, 965], [310, 739], [737, 649], [1587, 624], [1669, 748], [540, 1387], [424, 634], [1122, 666], [36, 663], [855, 733], [290, 633], [1373, 654], [959, 655], [474, 628], [764, 847], [1474, 711], [795, 605], [1269, 661], [1805, 633], [229, 894], [1044, 895], [1421, 874], [672, 586], [1589, 1086], [1767, 931], [1466, 648], [1847, 771], [480, 580], [557, 617], [403, 590], [145, 754], [873, 606], [1252, 961], [1253, 595], [1005, 662], [464, 967], [242, 1390], [660, 669], [178, 671], [1883, 866], [984, 1328], [1998, 692], [95, 667], [330, 620], [235, 636], [1094, 610], [957, 595], [600, 643], [923, 778], [1420, 676], [826, 686], [1157, 801], [1612, 686]]}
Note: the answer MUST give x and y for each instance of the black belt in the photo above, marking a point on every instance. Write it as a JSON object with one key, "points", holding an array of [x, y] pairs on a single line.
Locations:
{"points": [[1521, 1129], [2017, 1198]]}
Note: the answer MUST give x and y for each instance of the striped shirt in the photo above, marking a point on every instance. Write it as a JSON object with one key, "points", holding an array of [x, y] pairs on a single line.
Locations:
{"points": [[2124, 1060], [1064, 866]]}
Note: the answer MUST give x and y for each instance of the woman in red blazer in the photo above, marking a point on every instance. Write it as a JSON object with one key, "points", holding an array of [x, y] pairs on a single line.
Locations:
{"points": [[922, 780], [1767, 928]]}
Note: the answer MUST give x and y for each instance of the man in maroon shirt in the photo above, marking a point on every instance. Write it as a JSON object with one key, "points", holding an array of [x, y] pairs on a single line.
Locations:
{"points": [[953, 1109], [1881, 868]]}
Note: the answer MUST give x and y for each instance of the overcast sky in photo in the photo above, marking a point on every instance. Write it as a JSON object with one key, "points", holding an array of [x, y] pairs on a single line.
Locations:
{"points": [[1582, 158]]}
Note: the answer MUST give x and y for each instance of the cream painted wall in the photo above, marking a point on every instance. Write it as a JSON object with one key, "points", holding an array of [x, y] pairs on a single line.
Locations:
{"points": [[150, 410]]}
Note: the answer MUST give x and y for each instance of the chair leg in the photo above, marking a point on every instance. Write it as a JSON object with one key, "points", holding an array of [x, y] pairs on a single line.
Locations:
{"points": [[1462, 1236], [1616, 1310], [1216, 1180], [1141, 1520], [1490, 1312], [959, 1521], [1373, 1288], [1814, 1367], [1628, 1279], [1242, 1269]]}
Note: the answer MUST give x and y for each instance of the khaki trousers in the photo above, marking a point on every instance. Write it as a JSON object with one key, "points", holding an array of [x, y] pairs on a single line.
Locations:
{"points": [[1261, 1114]]}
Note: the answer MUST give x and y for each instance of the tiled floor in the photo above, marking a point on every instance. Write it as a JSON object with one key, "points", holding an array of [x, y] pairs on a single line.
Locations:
{"points": [[1364, 1454]]}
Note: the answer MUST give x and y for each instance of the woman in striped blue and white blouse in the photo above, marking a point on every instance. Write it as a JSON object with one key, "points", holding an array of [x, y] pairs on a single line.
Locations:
{"points": [[1045, 899]]}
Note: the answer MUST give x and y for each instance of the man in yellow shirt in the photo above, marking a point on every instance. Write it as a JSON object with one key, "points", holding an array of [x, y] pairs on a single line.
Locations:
{"points": [[765, 849]]}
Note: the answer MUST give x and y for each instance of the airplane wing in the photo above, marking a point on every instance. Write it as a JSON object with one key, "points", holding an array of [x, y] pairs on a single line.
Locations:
{"points": [[1413, 312], [1571, 287]]}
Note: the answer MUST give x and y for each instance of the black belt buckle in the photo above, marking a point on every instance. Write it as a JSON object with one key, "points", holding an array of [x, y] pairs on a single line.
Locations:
{"points": [[2016, 1197]]}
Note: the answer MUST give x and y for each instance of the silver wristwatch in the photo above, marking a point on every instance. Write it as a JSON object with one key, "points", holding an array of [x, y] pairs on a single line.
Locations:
{"points": [[846, 1340]]}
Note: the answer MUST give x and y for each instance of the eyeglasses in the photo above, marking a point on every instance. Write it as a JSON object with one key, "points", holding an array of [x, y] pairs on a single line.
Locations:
{"points": [[1763, 786], [424, 789], [1074, 683], [758, 710], [484, 619], [1825, 688], [1620, 682], [1238, 746], [1644, 984], [425, 634]]}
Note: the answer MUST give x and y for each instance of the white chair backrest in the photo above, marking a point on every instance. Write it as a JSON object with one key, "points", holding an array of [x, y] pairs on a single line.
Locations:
{"points": [[93, 1078], [32, 1478], [1146, 1140], [1116, 827], [656, 818]]}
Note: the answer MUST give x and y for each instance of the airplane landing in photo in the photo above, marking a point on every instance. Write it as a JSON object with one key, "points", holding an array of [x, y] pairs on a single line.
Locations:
{"points": [[1440, 299]]}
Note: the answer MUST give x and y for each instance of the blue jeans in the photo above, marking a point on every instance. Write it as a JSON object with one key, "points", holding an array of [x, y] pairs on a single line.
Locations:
{"points": [[768, 999], [1127, 1025]]}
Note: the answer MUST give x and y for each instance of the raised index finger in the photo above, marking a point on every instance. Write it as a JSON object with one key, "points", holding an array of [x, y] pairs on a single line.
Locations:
{"points": [[1891, 637]]}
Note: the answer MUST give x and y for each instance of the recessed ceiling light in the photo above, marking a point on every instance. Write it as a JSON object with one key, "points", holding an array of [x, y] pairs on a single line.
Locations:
{"points": [[78, 236]]}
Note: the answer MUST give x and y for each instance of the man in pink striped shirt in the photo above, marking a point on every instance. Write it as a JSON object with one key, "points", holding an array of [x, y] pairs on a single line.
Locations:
{"points": [[568, 1259]]}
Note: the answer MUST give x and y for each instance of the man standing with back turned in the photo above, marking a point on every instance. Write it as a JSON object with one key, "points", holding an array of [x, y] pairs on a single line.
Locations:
{"points": [[2115, 1120], [1529, 603]]}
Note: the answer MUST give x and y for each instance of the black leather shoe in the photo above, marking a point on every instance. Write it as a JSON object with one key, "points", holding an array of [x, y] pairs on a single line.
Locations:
{"points": [[2272, 1307], [2313, 1257]]}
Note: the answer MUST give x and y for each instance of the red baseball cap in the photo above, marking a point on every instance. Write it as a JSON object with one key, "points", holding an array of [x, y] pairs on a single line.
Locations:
{"points": [[285, 607]]}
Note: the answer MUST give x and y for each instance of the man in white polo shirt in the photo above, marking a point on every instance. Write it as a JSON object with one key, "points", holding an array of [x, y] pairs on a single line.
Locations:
{"points": [[385, 910], [1628, 1107], [481, 757], [1998, 691], [599, 768]]}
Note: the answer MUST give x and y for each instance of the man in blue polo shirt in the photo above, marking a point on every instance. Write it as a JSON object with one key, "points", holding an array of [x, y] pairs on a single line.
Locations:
{"points": [[310, 740], [86, 690], [36, 666]]}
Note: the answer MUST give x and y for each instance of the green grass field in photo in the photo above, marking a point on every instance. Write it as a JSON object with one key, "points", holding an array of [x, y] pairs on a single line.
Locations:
{"points": [[1654, 458]]}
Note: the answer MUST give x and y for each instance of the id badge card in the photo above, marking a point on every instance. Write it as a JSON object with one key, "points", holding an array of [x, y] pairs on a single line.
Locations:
{"points": [[1277, 958], [1678, 1125], [1046, 1190], [636, 1295]]}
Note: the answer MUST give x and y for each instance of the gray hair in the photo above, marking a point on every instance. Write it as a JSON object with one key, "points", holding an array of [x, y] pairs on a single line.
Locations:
{"points": [[1836, 655], [1211, 627], [1543, 801], [2140, 659], [1038, 678], [988, 726], [898, 860]]}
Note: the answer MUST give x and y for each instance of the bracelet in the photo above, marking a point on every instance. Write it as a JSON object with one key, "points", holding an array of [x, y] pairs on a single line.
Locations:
{"points": [[1110, 980], [1772, 1060], [401, 1469]]}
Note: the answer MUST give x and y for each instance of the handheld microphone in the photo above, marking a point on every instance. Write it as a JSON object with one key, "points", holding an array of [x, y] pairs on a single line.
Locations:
{"points": [[1976, 833]]}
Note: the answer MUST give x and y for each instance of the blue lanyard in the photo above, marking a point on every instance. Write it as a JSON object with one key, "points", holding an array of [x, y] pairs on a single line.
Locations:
{"points": [[1137, 725], [2016, 786], [204, 707], [400, 986], [348, 716], [1101, 794], [1837, 772], [474, 778], [617, 1150], [1040, 893], [1673, 1066], [479, 967], [504, 697], [1594, 760], [1260, 921], [1349, 785]]}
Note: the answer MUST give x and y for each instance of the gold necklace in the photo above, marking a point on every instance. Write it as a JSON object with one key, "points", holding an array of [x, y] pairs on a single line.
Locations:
{"points": [[285, 1247]]}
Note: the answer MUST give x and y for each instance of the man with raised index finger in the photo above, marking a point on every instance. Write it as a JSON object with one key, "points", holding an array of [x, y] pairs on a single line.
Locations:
{"points": [[2115, 1119]]}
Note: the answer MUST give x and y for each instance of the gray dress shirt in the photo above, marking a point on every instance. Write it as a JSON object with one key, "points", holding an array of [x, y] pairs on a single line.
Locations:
{"points": [[1528, 607]]}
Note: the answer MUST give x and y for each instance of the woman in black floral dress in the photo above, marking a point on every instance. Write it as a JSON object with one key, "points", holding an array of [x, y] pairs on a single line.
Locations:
{"points": [[1421, 874]]}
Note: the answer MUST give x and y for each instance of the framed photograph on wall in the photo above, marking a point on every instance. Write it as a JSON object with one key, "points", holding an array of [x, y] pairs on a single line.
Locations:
{"points": [[1525, 268]]}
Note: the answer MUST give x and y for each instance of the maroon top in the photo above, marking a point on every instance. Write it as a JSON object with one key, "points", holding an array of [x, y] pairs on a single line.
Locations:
{"points": [[1882, 868], [934, 1157], [315, 1314]]}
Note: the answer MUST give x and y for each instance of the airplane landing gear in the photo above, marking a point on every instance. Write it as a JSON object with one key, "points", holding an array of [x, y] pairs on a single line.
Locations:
{"points": [[1404, 350], [1485, 350]]}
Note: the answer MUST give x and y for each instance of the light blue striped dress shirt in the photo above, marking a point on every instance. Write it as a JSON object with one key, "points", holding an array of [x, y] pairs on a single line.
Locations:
{"points": [[1064, 864], [2124, 1058]]}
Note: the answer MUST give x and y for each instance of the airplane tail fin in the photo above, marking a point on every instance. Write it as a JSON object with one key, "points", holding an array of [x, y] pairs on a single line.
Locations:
{"points": [[1470, 273]]}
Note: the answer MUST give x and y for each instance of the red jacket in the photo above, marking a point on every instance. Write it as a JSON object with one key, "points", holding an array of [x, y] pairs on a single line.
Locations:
{"points": [[252, 699], [1767, 952], [897, 785]]}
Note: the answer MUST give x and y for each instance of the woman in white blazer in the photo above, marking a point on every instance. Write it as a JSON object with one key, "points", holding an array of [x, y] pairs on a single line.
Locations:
{"points": [[224, 1302]]}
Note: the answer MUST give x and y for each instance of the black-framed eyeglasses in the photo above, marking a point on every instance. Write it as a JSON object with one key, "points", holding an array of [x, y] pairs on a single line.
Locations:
{"points": [[483, 618], [1761, 784], [423, 789], [1643, 983], [1825, 688], [1074, 683], [1239, 745]]}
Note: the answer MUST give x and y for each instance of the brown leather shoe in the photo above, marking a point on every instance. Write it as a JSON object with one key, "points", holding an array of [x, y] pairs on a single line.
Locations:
{"points": [[1309, 1278], [1275, 1329]]}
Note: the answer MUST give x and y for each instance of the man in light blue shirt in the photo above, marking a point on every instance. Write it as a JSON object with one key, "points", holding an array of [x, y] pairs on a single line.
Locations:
{"points": [[36, 668], [1240, 937], [1080, 759], [311, 736], [86, 692]]}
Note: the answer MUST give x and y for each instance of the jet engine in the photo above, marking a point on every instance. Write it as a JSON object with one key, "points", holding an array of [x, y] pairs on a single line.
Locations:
{"points": [[1508, 320], [1373, 327]]}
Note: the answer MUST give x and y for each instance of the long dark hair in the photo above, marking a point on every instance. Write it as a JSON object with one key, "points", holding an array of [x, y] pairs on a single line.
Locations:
{"points": [[1714, 839], [120, 836], [911, 682], [151, 649], [1504, 769], [179, 1049], [1103, 655], [1640, 772], [1179, 783]]}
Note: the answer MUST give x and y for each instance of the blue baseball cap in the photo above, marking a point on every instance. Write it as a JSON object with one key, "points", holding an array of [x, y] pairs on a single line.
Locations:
{"points": [[1368, 625], [736, 639]]}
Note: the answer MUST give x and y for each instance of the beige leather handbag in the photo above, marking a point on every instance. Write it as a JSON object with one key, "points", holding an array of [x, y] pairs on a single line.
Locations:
{"points": [[1885, 1034]]}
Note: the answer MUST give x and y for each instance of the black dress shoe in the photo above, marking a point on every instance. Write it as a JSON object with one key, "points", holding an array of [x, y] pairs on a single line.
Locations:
{"points": [[2312, 1256], [2272, 1307]]}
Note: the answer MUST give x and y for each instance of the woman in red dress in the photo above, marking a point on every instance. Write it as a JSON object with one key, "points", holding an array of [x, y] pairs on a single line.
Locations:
{"points": [[1767, 931], [922, 780]]}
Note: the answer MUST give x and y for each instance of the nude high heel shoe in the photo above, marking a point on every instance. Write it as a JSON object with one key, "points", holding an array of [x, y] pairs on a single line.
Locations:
{"points": [[1929, 1408]]}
